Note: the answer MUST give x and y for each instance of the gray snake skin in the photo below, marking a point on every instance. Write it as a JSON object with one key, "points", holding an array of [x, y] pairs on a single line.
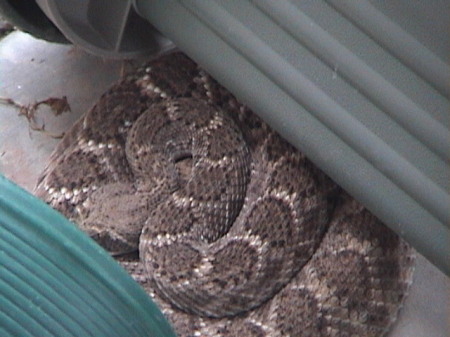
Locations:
{"points": [[238, 233]]}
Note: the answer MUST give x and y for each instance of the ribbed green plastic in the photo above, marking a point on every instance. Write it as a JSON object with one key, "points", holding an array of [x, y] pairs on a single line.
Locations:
{"points": [[56, 281]]}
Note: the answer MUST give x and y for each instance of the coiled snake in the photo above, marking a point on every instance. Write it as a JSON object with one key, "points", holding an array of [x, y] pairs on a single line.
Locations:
{"points": [[238, 233]]}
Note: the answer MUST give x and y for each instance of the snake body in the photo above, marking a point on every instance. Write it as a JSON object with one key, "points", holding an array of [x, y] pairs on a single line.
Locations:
{"points": [[238, 233]]}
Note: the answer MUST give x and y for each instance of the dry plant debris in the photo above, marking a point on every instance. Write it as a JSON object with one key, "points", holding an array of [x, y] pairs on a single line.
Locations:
{"points": [[57, 106]]}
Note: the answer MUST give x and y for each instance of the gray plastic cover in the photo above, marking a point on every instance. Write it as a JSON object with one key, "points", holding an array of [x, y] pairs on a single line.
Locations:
{"points": [[362, 87], [109, 28]]}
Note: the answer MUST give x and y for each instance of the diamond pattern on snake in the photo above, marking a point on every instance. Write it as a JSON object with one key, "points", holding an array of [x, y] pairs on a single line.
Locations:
{"points": [[229, 228]]}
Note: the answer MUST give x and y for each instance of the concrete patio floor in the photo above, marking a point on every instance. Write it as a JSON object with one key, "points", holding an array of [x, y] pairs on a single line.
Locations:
{"points": [[32, 70]]}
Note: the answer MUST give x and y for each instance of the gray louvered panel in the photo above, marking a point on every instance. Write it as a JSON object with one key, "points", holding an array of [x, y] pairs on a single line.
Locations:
{"points": [[348, 94]]}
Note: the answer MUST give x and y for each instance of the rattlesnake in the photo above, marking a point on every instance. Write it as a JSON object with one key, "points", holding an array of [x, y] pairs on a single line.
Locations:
{"points": [[239, 234]]}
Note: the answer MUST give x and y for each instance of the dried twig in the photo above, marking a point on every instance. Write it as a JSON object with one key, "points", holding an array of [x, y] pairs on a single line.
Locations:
{"points": [[57, 106]]}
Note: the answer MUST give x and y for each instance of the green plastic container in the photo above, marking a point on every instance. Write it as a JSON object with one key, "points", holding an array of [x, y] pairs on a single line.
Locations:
{"points": [[56, 281]]}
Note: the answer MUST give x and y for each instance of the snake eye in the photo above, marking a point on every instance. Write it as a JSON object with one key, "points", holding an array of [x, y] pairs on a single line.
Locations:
{"points": [[183, 165], [182, 157]]}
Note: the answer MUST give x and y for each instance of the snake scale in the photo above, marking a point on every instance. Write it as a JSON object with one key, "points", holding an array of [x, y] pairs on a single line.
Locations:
{"points": [[238, 233]]}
